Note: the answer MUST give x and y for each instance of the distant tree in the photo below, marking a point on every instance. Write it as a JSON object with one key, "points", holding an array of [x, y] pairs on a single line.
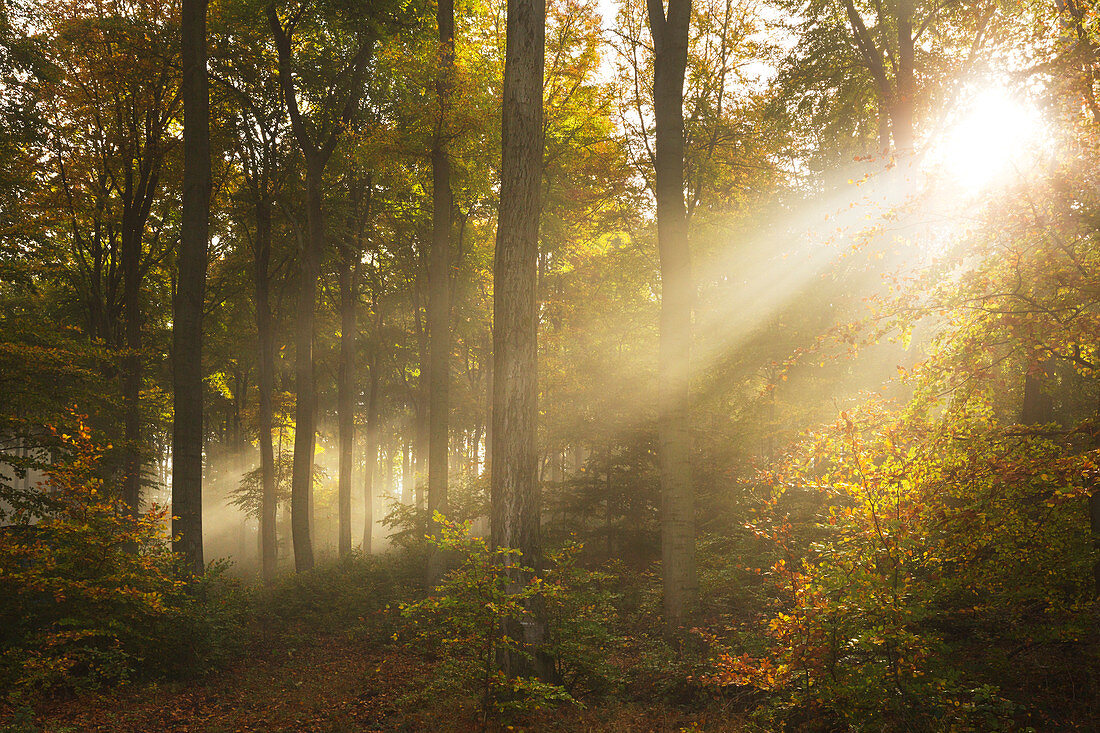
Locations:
{"points": [[439, 283], [317, 139]]}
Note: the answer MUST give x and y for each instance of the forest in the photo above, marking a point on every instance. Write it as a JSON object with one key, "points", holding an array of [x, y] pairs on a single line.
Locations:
{"points": [[549, 365]]}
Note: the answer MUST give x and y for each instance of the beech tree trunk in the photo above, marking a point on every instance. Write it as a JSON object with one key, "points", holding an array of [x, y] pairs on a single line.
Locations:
{"points": [[905, 88], [305, 408], [345, 398], [670, 42], [187, 310], [514, 488], [439, 290], [266, 362], [406, 472], [317, 149], [131, 370]]}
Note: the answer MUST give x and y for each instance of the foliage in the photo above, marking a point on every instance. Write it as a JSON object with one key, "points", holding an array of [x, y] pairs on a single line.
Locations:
{"points": [[471, 622], [249, 493], [92, 594], [467, 501], [335, 595], [928, 570]]}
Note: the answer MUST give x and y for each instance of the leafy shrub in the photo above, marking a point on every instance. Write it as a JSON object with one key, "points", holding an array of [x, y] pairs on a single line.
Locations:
{"points": [[941, 555], [337, 594], [581, 617], [467, 622], [91, 594]]}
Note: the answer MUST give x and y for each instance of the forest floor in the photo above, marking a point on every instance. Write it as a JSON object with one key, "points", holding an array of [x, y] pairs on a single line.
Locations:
{"points": [[352, 681]]}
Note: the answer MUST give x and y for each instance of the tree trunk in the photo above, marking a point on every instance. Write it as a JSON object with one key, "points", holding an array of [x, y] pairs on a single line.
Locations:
{"points": [[266, 338], [420, 450], [131, 370], [1094, 525], [439, 291], [514, 489], [305, 409], [189, 302], [346, 397], [905, 87], [670, 41], [406, 472], [371, 458], [1038, 406], [317, 150]]}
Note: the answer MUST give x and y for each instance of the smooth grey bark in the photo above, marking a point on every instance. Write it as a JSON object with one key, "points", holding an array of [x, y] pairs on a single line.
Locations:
{"points": [[371, 454], [422, 424], [670, 44], [141, 181], [514, 488], [187, 306]]}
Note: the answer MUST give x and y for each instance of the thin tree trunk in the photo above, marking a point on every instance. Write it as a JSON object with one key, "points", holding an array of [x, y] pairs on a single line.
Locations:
{"points": [[439, 291], [346, 397], [386, 451], [371, 458], [420, 450], [316, 152], [514, 488], [406, 472], [670, 41], [266, 338]]}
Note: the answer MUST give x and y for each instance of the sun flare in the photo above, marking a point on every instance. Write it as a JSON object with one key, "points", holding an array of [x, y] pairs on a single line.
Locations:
{"points": [[994, 135]]}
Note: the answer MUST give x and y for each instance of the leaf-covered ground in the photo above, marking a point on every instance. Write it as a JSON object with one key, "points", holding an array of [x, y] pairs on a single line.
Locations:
{"points": [[331, 682]]}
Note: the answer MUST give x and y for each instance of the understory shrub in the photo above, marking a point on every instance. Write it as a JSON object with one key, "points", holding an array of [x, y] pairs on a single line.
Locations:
{"points": [[930, 573], [91, 595], [467, 621], [337, 595]]}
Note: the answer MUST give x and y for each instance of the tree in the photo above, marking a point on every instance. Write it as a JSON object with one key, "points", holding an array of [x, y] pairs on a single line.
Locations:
{"points": [[514, 482], [108, 142], [317, 140], [439, 284], [670, 52], [188, 306]]}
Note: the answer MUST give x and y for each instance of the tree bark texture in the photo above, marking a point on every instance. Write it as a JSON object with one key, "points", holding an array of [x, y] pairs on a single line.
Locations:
{"points": [[513, 485], [266, 363], [349, 271], [371, 458]]}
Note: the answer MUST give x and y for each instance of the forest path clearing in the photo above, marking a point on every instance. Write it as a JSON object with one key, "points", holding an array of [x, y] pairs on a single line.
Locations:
{"points": [[331, 683]]}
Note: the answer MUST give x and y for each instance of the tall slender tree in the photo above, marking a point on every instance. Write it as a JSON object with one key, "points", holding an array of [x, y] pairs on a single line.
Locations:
{"points": [[187, 308], [317, 142], [439, 283], [670, 47], [514, 482]]}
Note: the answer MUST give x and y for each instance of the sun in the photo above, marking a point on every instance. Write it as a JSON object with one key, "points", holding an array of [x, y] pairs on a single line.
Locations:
{"points": [[994, 135]]}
